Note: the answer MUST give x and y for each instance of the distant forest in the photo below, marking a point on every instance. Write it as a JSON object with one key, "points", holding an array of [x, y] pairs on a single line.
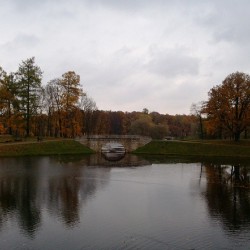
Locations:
{"points": [[62, 108]]}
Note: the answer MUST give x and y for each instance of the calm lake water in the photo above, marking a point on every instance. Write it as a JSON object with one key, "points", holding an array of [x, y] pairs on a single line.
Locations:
{"points": [[89, 203]]}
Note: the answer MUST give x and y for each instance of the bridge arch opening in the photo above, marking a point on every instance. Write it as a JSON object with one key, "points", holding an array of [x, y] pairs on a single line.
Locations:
{"points": [[113, 151]]}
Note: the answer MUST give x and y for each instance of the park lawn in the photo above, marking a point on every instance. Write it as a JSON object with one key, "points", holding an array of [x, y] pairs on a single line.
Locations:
{"points": [[197, 148], [61, 147]]}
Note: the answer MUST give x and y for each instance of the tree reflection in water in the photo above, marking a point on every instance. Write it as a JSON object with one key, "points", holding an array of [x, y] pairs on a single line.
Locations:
{"points": [[63, 198], [28, 185], [18, 197], [228, 195], [35, 190]]}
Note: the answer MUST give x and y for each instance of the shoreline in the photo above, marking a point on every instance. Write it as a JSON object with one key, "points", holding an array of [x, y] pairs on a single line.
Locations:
{"points": [[43, 148], [196, 149], [201, 149]]}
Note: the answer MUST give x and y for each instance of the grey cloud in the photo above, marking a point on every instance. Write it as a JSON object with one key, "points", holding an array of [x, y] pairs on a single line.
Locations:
{"points": [[116, 70], [22, 41], [118, 4], [53, 8], [128, 4], [173, 62], [108, 46], [228, 20], [233, 32], [24, 5]]}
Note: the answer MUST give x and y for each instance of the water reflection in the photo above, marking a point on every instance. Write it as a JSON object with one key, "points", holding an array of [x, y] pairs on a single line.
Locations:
{"points": [[228, 195], [18, 195], [60, 184], [28, 185], [63, 197], [101, 203]]}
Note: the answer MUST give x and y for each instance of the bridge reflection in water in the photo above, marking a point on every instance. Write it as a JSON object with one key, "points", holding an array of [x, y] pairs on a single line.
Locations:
{"points": [[128, 160]]}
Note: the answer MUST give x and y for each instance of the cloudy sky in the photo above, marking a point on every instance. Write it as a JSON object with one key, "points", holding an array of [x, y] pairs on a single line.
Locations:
{"points": [[161, 55]]}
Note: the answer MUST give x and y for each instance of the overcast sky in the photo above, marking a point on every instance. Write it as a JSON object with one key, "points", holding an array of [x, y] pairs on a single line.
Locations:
{"points": [[131, 54]]}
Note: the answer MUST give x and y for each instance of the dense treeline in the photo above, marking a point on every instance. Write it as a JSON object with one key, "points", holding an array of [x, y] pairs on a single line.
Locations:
{"points": [[61, 108], [139, 123]]}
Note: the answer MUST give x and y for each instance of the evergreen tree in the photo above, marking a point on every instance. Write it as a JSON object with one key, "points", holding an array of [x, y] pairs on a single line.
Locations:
{"points": [[28, 77]]}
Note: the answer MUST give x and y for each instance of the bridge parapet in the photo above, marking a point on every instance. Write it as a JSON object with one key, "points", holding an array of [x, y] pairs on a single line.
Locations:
{"points": [[130, 142]]}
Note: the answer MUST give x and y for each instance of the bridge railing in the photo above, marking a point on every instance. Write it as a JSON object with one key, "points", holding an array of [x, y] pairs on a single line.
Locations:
{"points": [[115, 137]]}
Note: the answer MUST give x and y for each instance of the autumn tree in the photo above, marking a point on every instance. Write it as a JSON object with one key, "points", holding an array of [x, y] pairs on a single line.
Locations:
{"points": [[53, 99], [8, 100], [158, 131], [70, 83], [197, 109], [141, 126], [63, 98], [88, 106], [144, 125], [71, 93], [28, 79], [102, 122], [3, 76], [228, 106], [116, 122], [145, 111], [2, 95]]}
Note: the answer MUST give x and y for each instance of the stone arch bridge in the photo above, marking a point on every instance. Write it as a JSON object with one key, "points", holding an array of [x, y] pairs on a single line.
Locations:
{"points": [[130, 142]]}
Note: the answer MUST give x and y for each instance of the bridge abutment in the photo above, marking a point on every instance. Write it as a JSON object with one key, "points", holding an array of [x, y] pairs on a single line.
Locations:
{"points": [[130, 142]]}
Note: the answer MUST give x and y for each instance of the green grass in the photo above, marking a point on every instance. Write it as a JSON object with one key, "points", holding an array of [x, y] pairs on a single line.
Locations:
{"points": [[197, 148], [6, 138], [61, 147], [212, 148]]}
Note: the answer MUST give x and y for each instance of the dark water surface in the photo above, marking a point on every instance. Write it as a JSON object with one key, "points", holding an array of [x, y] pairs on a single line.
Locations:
{"points": [[80, 203]]}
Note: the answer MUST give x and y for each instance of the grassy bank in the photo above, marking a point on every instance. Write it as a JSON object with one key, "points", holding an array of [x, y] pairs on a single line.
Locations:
{"points": [[197, 148], [167, 148], [34, 148]]}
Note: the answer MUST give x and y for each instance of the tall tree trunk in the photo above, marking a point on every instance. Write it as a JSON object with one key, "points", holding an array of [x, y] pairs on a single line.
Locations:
{"points": [[28, 108], [28, 117], [201, 128], [245, 133], [9, 119], [237, 136]]}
